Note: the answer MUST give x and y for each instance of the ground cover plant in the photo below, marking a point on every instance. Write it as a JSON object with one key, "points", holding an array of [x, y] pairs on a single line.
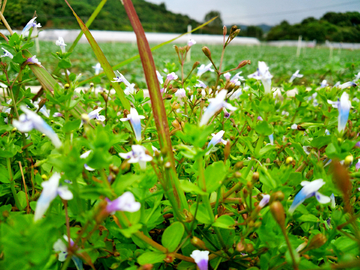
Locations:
{"points": [[220, 173]]}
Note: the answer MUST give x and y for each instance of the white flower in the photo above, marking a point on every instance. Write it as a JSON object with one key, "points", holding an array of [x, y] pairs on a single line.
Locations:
{"points": [[264, 201], [191, 42], [160, 78], [227, 76], [125, 202], [357, 77], [6, 54], [31, 24], [324, 83], [31, 120], [344, 109], [60, 42], [180, 93], [50, 190], [130, 87], [296, 75], [294, 126], [236, 94], [85, 155], [201, 259], [97, 68], [309, 189], [200, 84], [216, 104], [347, 84], [61, 247], [271, 139], [43, 109], [217, 138], [264, 75], [33, 60], [236, 79], [95, 114], [135, 118], [171, 76], [202, 69], [137, 155]]}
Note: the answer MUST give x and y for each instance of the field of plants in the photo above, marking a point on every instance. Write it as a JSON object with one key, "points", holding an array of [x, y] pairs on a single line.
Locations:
{"points": [[218, 169]]}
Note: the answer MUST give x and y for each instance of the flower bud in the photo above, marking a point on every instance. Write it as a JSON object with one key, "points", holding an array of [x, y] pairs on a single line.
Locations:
{"points": [[289, 160], [14, 129], [244, 63], [235, 33], [175, 105], [169, 258], [176, 49], [125, 166], [317, 241], [195, 65], [277, 196], [227, 150], [147, 266], [248, 128], [233, 28], [114, 169], [342, 180], [66, 86], [249, 248], [349, 160], [239, 165], [240, 246], [206, 51], [224, 30], [176, 124], [255, 176], [197, 242], [237, 174], [44, 177], [277, 210], [91, 84], [188, 216]]}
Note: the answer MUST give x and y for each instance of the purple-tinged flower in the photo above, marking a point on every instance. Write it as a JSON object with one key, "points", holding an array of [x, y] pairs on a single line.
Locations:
{"points": [[264, 201], [216, 104], [171, 76], [264, 75], [97, 68], [31, 120], [295, 75], [226, 113], [135, 118], [324, 83], [309, 189], [50, 190], [125, 203], [259, 118], [227, 76], [6, 54], [137, 155], [201, 259], [347, 84], [332, 200], [202, 69], [357, 144], [43, 109], [344, 109], [191, 42], [130, 87], [294, 126], [337, 84], [61, 247], [33, 60], [31, 24], [357, 165], [57, 114], [96, 115], [236, 79], [217, 138], [160, 78], [200, 84], [85, 155], [180, 93], [61, 43]]}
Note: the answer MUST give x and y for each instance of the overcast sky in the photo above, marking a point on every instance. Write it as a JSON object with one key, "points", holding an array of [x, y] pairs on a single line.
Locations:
{"points": [[259, 11]]}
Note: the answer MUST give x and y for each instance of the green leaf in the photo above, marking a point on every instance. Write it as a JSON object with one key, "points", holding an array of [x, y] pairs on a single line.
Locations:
{"points": [[4, 175], [22, 199], [214, 176], [18, 58], [266, 149], [64, 63], [202, 214], [102, 59], [172, 236], [264, 128], [72, 125], [225, 222], [308, 218], [150, 257], [188, 186], [131, 230]]}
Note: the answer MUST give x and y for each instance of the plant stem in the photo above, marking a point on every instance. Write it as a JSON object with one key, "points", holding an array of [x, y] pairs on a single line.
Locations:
{"points": [[12, 185]]}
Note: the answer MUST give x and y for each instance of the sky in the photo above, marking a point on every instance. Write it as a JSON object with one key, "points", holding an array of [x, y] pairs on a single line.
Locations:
{"points": [[256, 12]]}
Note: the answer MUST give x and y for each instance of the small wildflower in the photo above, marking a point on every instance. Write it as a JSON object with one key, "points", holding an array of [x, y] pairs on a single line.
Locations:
{"points": [[134, 118], [33, 60], [130, 87], [61, 247], [180, 93], [217, 138], [31, 24], [295, 75], [344, 109], [294, 126], [125, 203], [160, 78], [95, 115], [6, 54], [264, 75], [97, 68], [172, 76], [61, 43], [202, 69], [324, 84], [264, 201], [85, 155], [201, 259], [137, 155], [191, 42], [200, 84]]}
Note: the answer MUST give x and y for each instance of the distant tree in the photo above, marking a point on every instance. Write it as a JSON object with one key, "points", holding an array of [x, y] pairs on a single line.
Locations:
{"points": [[254, 31], [215, 23]]}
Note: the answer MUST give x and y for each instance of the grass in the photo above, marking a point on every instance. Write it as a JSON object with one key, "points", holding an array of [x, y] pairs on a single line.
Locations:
{"points": [[314, 63]]}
